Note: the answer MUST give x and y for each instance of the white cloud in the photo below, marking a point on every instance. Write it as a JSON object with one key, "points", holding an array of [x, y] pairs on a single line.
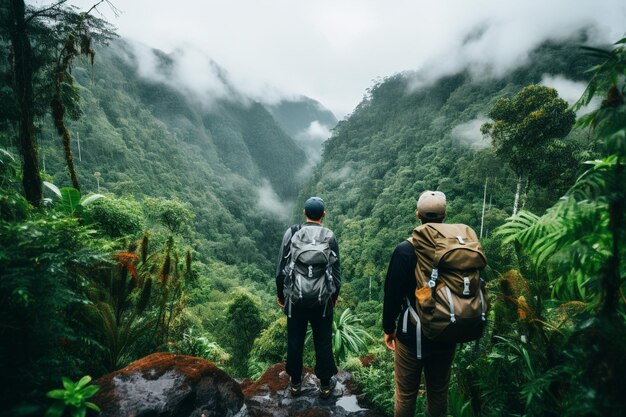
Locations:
{"points": [[570, 91], [190, 71], [311, 140], [318, 131], [271, 203], [469, 133], [332, 51], [343, 173]]}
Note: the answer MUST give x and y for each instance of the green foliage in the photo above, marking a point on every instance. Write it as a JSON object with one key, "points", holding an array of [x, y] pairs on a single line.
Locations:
{"points": [[242, 325], [271, 346], [400, 141], [200, 345], [348, 336], [578, 235], [72, 399], [458, 406], [13, 206], [135, 304], [70, 200], [376, 381], [527, 130], [577, 242], [523, 126], [174, 215], [46, 263], [116, 217]]}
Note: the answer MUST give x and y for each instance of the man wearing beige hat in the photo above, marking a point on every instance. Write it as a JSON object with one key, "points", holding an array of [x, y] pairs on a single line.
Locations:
{"points": [[412, 351]]}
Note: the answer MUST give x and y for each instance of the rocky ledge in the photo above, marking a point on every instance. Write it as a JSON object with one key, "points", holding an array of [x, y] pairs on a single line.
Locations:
{"points": [[269, 396], [167, 385]]}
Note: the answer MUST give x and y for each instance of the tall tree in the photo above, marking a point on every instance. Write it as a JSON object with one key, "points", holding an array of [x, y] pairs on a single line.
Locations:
{"points": [[23, 81], [60, 33], [525, 129], [243, 326]]}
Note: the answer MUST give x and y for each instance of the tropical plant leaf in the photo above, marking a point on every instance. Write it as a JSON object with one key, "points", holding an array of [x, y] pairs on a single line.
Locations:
{"points": [[52, 188], [83, 382], [70, 200], [92, 406], [85, 201], [57, 394]]}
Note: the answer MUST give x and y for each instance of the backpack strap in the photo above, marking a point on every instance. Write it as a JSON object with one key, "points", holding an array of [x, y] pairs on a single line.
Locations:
{"points": [[418, 327], [290, 265], [295, 228], [421, 282]]}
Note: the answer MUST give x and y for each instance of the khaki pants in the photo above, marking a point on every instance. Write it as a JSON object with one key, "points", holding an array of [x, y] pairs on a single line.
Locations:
{"points": [[408, 373]]}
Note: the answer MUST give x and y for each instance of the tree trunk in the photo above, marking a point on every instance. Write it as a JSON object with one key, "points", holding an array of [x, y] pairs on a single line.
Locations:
{"points": [[58, 113], [611, 279], [525, 193], [482, 217], [58, 109], [23, 72], [517, 191]]}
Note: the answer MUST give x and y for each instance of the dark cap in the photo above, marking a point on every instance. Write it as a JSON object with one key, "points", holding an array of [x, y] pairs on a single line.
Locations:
{"points": [[314, 208]]}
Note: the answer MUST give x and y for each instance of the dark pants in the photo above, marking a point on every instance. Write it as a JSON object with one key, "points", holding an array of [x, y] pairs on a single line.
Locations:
{"points": [[322, 339], [408, 372]]}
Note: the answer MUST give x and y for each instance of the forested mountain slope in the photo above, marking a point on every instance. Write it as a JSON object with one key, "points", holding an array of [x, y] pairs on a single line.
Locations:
{"points": [[307, 121], [147, 135], [400, 141], [295, 115]]}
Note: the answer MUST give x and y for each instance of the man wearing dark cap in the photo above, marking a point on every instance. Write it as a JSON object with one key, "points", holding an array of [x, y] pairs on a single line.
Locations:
{"points": [[435, 358], [300, 313]]}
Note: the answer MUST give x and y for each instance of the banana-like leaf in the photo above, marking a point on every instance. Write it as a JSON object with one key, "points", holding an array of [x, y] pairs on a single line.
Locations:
{"points": [[85, 201], [70, 200], [52, 188]]}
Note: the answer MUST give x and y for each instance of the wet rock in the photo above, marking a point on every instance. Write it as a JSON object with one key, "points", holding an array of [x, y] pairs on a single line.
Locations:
{"points": [[270, 396], [167, 385]]}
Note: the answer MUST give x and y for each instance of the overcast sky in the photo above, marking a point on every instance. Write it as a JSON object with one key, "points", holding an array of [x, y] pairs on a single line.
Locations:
{"points": [[333, 50]]}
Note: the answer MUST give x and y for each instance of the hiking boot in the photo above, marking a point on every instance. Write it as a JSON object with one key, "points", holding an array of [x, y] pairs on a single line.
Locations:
{"points": [[295, 389], [326, 389]]}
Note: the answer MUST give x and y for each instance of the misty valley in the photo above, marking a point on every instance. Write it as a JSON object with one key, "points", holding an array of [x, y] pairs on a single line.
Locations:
{"points": [[145, 196]]}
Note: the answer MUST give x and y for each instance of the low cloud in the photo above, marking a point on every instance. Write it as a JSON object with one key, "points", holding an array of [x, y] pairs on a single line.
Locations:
{"points": [[271, 203], [570, 91], [469, 133], [186, 69], [501, 36], [332, 51], [311, 140], [342, 174]]}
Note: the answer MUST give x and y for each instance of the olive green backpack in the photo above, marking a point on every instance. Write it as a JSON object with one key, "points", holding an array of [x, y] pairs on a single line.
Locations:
{"points": [[450, 302]]}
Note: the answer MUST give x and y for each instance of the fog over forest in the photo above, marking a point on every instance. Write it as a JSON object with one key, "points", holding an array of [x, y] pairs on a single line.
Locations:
{"points": [[154, 155]]}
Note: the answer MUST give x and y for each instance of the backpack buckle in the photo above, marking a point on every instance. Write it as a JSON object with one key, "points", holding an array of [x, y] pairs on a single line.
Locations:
{"points": [[433, 278], [466, 286]]}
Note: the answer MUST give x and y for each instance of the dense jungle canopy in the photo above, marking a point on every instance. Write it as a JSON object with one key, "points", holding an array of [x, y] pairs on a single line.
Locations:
{"points": [[137, 216]]}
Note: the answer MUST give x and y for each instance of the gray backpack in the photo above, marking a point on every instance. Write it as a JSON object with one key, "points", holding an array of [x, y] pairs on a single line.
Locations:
{"points": [[308, 273]]}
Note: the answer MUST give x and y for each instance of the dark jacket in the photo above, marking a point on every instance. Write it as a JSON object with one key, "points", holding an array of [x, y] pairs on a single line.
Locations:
{"points": [[282, 261], [400, 285]]}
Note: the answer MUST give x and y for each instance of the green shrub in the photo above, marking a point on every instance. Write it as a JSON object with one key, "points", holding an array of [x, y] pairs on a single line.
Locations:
{"points": [[72, 399], [116, 217], [45, 265]]}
